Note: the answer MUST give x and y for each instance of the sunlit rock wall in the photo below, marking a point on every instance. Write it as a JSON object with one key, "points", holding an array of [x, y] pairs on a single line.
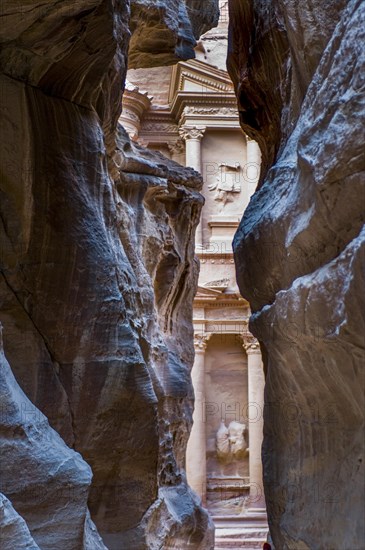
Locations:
{"points": [[97, 276], [299, 76]]}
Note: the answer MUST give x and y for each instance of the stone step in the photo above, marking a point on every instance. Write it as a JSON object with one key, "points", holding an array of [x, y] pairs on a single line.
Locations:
{"points": [[242, 533], [248, 532], [239, 522], [242, 527], [246, 544]]}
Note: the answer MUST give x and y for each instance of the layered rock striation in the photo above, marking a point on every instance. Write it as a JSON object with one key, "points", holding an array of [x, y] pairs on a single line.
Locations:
{"points": [[299, 252], [97, 280]]}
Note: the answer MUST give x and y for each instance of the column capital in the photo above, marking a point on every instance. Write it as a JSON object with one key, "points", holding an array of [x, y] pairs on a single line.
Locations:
{"points": [[250, 344], [192, 132], [200, 342]]}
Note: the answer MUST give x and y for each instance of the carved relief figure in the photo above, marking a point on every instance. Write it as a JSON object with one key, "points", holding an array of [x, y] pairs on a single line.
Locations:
{"points": [[227, 182], [222, 442], [237, 440], [230, 442]]}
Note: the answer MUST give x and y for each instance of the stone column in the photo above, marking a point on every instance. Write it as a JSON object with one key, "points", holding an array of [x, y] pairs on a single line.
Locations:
{"points": [[196, 466], [193, 159], [256, 383], [253, 165], [193, 136]]}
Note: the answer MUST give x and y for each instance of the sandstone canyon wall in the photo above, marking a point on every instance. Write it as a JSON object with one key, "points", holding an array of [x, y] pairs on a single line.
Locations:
{"points": [[97, 281], [298, 70]]}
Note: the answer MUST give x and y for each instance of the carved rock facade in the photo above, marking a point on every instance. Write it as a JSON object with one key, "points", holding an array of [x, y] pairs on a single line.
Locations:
{"points": [[97, 276], [299, 255]]}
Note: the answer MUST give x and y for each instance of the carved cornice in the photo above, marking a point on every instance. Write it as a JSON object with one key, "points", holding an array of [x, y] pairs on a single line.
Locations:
{"points": [[192, 132], [233, 302], [238, 327], [241, 324], [213, 260], [213, 110], [159, 128], [204, 101], [220, 111]]}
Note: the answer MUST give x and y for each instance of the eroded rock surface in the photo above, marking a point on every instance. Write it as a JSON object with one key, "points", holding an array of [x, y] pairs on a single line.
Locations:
{"points": [[97, 266], [13, 529], [166, 32], [48, 483], [298, 73]]}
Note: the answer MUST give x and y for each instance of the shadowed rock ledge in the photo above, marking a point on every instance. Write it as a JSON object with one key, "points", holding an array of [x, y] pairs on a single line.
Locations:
{"points": [[298, 72], [97, 277]]}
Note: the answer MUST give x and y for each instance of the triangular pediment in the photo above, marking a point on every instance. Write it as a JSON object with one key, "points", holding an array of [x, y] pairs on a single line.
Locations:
{"points": [[208, 292], [199, 77]]}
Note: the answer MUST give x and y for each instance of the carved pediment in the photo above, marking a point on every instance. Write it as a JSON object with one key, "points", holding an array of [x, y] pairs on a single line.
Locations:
{"points": [[219, 284], [203, 291], [196, 76]]}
